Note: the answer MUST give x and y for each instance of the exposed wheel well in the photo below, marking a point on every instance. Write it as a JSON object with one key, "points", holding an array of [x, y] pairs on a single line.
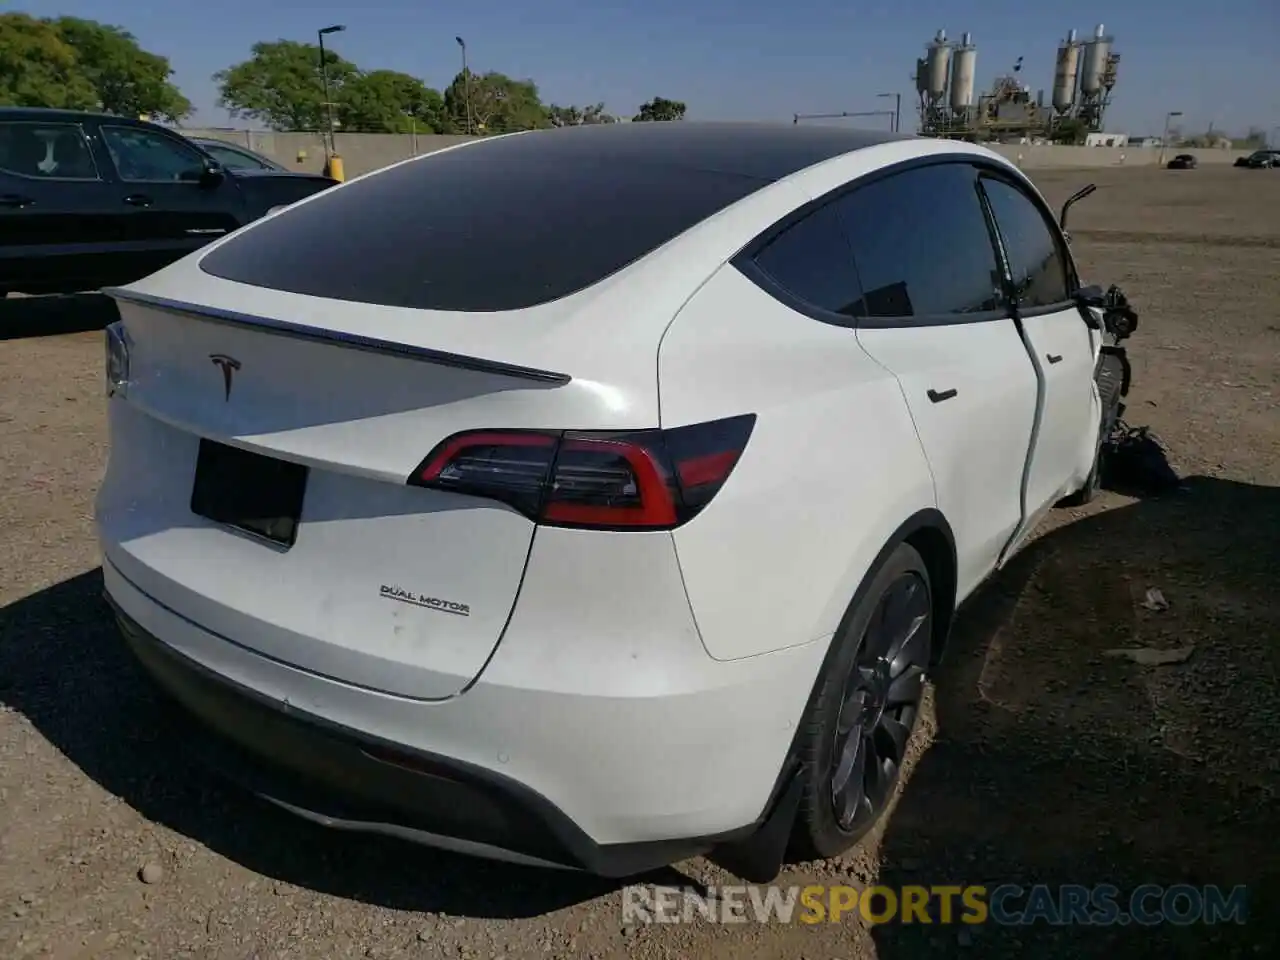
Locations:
{"points": [[939, 555]]}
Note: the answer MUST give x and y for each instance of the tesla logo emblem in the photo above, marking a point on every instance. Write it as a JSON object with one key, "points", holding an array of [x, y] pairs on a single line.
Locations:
{"points": [[228, 366]]}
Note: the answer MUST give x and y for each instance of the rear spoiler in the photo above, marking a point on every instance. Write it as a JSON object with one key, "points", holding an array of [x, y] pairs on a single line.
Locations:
{"points": [[353, 341]]}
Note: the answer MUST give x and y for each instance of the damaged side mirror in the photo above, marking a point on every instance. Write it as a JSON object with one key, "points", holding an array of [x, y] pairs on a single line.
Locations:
{"points": [[1092, 296], [1088, 299], [1118, 317]]}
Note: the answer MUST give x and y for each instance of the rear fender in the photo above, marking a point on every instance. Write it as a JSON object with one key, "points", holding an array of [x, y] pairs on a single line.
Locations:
{"points": [[758, 857]]}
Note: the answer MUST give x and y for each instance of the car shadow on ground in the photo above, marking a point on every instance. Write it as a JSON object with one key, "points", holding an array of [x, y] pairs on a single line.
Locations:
{"points": [[25, 317], [1044, 770], [1055, 763]]}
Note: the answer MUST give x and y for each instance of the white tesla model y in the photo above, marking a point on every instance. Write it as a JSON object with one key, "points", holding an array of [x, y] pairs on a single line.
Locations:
{"points": [[594, 497]]}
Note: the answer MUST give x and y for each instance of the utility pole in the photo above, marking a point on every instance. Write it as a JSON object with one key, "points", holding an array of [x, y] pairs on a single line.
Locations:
{"points": [[466, 82], [331, 146], [1164, 137], [897, 110]]}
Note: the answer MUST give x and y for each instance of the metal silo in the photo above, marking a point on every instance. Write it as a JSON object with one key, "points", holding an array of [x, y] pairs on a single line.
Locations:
{"points": [[962, 68], [1096, 52], [1064, 74], [937, 64]]}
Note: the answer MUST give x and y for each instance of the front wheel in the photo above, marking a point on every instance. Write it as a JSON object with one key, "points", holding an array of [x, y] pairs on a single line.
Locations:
{"points": [[854, 737]]}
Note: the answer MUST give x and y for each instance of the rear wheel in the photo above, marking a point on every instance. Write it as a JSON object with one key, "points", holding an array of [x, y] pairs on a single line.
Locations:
{"points": [[854, 739]]}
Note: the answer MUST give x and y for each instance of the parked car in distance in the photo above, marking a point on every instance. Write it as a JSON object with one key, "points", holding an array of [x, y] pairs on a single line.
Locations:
{"points": [[235, 157], [88, 200], [532, 537], [1260, 159], [1183, 161]]}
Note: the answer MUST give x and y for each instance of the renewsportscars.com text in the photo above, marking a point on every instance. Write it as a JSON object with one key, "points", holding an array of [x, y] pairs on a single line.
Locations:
{"points": [[1005, 904]]}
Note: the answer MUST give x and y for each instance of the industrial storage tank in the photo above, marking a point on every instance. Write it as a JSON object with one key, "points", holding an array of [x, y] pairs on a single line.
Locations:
{"points": [[1064, 74], [937, 64], [963, 63], [1096, 52]]}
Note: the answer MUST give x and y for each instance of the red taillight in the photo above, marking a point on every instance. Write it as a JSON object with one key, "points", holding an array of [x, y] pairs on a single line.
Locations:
{"points": [[643, 480]]}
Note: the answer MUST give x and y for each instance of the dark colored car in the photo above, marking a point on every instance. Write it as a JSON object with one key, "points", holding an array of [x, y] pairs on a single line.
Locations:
{"points": [[90, 200], [1260, 160], [1183, 161], [235, 157]]}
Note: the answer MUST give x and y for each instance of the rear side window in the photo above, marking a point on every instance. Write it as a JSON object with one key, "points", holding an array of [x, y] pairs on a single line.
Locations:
{"points": [[1036, 262], [495, 226], [921, 244], [811, 260], [45, 151]]}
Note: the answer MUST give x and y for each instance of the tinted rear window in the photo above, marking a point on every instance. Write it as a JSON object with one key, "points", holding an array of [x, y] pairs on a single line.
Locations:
{"points": [[496, 226], [811, 260]]}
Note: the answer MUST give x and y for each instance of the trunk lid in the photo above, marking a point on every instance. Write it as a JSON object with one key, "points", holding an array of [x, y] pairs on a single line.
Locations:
{"points": [[396, 588]]}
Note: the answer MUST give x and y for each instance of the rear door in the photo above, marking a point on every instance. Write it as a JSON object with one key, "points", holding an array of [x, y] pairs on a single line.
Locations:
{"points": [[165, 209], [56, 231], [1063, 348], [933, 315]]}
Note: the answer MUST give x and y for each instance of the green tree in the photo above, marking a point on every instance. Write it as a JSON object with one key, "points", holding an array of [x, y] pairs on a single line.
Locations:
{"points": [[387, 101], [281, 85], [38, 68], [129, 81], [578, 116], [499, 104], [660, 108]]}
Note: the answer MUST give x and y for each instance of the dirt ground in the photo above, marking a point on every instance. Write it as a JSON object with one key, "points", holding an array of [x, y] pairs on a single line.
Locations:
{"points": [[1043, 760]]}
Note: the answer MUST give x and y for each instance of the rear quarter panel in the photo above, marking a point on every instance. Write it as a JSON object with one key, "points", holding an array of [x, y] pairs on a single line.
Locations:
{"points": [[832, 468]]}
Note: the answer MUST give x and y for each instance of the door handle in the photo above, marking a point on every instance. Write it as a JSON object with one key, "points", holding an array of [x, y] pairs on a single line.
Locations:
{"points": [[15, 200], [1054, 357], [138, 200], [938, 397]]}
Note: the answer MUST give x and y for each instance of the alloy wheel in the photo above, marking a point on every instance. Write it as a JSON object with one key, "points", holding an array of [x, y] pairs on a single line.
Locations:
{"points": [[881, 703]]}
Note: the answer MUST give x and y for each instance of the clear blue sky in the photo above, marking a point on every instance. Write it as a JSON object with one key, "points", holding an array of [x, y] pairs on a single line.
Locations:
{"points": [[741, 59]]}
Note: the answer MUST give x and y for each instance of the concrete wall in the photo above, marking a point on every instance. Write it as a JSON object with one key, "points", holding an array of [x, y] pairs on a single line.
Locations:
{"points": [[363, 152], [1055, 156], [360, 152]]}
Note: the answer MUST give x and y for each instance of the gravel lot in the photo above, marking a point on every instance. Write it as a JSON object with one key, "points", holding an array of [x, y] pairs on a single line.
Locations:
{"points": [[1042, 760]]}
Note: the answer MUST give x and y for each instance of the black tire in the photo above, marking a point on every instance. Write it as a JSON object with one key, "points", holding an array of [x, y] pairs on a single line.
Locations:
{"points": [[870, 696], [1110, 378]]}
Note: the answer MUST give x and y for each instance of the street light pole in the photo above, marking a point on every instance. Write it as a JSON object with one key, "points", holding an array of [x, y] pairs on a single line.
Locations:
{"points": [[897, 109], [331, 146], [466, 83], [1164, 137]]}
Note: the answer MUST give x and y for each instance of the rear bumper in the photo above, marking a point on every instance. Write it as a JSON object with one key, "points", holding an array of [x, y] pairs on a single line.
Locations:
{"points": [[347, 779], [539, 761]]}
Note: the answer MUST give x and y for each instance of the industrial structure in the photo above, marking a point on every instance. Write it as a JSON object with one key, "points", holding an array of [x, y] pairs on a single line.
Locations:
{"points": [[1084, 76]]}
